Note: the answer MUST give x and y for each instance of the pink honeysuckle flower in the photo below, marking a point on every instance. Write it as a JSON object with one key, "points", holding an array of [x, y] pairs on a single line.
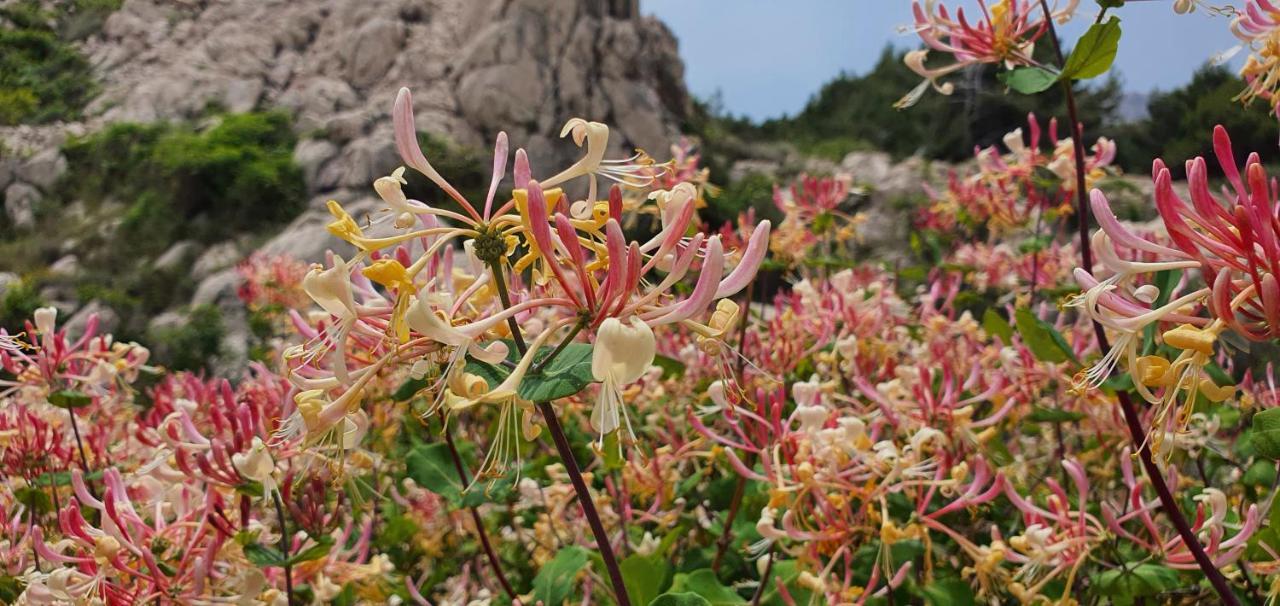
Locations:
{"points": [[1236, 242]]}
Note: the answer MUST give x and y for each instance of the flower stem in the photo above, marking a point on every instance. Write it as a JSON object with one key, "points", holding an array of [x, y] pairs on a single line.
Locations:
{"points": [[566, 456], [505, 296], [540, 366], [1136, 433], [584, 499], [740, 487], [75, 429], [483, 535], [284, 546]]}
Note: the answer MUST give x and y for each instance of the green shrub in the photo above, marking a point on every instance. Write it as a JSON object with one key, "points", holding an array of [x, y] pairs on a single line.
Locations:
{"points": [[754, 190], [19, 302], [43, 77], [237, 176], [192, 345]]}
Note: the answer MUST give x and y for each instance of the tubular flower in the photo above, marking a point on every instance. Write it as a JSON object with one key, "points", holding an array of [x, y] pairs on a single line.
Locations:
{"points": [[622, 354], [1258, 29], [1119, 302], [1236, 244]]}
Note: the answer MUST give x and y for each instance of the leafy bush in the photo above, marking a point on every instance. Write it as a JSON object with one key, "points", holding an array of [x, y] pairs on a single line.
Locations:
{"points": [[178, 182], [191, 345], [43, 78], [1181, 121], [20, 300], [754, 190]]}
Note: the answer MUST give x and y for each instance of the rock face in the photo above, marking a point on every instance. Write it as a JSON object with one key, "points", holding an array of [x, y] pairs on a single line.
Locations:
{"points": [[475, 66]]}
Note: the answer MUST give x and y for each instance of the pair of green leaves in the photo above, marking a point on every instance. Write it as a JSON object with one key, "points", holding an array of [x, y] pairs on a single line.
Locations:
{"points": [[1092, 56], [568, 373], [263, 556]]}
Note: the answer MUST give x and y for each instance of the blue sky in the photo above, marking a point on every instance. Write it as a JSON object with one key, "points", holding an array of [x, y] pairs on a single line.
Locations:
{"points": [[766, 57]]}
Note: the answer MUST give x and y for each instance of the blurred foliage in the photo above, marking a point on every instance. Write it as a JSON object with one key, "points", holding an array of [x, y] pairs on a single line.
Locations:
{"points": [[753, 190], [43, 78], [854, 112], [191, 344], [20, 300], [466, 168], [1180, 125], [182, 183]]}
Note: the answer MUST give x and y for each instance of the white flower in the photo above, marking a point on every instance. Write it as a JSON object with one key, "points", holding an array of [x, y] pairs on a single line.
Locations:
{"points": [[622, 354], [46, 318], [256, 464]]}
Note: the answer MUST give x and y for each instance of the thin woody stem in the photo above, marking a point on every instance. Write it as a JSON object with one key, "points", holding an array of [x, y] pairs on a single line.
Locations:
{"points": [[740, 487], [541, 366], [481, 533], [285, 539], [566, 456], [1134, 423]]}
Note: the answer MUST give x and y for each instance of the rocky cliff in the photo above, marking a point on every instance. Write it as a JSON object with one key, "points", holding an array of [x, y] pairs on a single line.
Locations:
{"points": [[475, 66]]}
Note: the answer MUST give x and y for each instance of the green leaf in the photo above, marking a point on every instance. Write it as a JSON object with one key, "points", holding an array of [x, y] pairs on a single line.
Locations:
{"points": [[262, 556], [34, 498], [1261, 473], [789, 573], [568, 374], [69, 398], [997, 451], [1094, 52], [1165, 280], [948, 592], [431, 467], [1028, 80], [703, 582], [347, 597], [62, 478], [644, 576], [10, 588], [1125, 585], [1110, 3], [409, 388], [1266, 433], [1041, 414], [1042, 338], [997, 326], [680, 599], [314, 552], [554, 582], [671, 367]]}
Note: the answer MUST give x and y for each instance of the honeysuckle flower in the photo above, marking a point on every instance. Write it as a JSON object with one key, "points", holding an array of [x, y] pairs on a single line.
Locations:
{"points": [[634, 172], [1236, 244], [622, 354], [256, 464], [1005, 34], [1258, 29], [1118, 302]]}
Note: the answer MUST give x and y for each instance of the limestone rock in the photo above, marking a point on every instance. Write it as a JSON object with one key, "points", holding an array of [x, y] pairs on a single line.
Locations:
{"points": [[43, 169], [216, 258], [175, 255], [108, 319], [19, 204]]}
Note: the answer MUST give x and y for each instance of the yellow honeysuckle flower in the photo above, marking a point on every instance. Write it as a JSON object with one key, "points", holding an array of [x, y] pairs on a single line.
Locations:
{"points": [[1188, 337]]}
